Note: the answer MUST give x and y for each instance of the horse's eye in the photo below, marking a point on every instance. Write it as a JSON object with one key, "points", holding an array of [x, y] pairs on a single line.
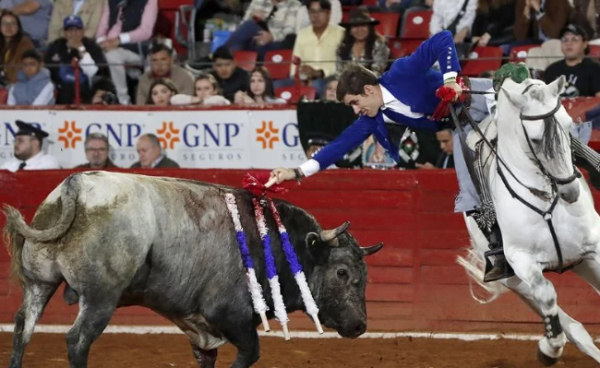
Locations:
{"points": [[342, 273], [536, 141]]}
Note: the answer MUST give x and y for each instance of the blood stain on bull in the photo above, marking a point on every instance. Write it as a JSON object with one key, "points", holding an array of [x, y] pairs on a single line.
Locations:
{"points": [[170, 245]]}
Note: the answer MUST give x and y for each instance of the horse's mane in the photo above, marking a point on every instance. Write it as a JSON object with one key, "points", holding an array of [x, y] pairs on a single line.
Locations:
{"points": [[550, 145]]}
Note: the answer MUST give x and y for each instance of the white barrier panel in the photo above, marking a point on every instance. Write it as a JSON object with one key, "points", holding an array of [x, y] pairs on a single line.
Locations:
{"points": [[229, 139]]}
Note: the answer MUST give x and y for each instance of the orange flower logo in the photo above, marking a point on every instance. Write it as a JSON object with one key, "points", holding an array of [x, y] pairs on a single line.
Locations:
{"points": [[168, 135], [69, 134], [267, 135]]}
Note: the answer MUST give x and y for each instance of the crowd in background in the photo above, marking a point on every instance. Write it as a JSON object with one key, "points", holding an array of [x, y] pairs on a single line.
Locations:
{"points": [[118, 54]]}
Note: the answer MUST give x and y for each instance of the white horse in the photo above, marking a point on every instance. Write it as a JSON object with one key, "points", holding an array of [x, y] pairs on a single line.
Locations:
{"points": [[546, 213]]}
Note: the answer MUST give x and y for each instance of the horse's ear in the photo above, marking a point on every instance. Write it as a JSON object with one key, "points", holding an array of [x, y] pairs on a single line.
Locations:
{"points": [[517, 99], [557, 87]]}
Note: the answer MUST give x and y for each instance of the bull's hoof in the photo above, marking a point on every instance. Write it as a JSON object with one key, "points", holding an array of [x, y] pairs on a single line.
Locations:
{"points": [[544, 359]]}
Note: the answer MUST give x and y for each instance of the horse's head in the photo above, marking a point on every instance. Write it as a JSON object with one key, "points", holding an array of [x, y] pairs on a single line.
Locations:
{"points": [[542, 127]]}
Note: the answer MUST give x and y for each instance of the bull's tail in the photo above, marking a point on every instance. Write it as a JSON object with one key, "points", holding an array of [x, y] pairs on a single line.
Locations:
{"points": [[16, 230], [68, 196]]}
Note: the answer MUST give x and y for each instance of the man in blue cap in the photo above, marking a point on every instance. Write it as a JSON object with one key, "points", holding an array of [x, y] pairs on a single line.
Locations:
{"points": [[28, 150], [62, 51]]}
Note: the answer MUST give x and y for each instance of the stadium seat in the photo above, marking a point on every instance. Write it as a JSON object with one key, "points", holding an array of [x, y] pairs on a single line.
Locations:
{"points": [[388, 25], [293, 94], [370, 3], [245, 59], [400, 47], [492, 61], [518, 54], [278, 63], [3, 96], [416, 24], [594, 51]]}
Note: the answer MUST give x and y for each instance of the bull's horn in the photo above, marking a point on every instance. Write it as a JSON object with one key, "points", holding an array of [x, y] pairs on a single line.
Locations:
{"points": [[367, 251], [329, 235]]}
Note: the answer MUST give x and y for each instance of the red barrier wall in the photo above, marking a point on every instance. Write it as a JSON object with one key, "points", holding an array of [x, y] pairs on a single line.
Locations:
{"points": [[414, 283]]}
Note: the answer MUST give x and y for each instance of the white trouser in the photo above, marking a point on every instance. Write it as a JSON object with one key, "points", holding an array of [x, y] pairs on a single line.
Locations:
{"points": [[117, 59]]}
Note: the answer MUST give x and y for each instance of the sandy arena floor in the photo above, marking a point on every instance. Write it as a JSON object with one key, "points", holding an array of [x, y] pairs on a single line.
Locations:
{"points": [[157, 351]]}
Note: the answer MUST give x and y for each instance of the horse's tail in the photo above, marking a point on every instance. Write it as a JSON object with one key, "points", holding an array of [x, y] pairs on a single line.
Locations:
{"points": [[474, 265], [16, 229]]}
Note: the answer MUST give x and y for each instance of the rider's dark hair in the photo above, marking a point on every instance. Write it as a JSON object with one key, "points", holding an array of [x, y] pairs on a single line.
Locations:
{"points": [[353, 80]]}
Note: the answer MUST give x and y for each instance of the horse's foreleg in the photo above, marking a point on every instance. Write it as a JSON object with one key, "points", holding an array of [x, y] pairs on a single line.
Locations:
{"points": [[544, 295], [574, 330]]}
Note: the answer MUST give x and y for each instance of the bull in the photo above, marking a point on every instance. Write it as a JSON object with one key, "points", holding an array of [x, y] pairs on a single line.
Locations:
{"points": [[169, 245]]}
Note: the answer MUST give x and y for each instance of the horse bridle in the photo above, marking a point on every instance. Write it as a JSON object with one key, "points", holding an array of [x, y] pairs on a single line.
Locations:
{"points": [[554, 180]]}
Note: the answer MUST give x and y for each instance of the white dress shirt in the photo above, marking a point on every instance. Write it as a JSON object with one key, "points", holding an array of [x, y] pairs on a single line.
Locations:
{"points": [[40, 161]]}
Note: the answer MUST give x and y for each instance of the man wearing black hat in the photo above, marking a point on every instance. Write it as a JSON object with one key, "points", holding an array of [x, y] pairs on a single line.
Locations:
{"points": [[28, 150], [582, 74]]}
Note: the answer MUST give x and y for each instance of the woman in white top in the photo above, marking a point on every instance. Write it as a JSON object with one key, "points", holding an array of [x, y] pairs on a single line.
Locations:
{"points": [[261, 90], [161, 92], [207, 93], [457, 16]]}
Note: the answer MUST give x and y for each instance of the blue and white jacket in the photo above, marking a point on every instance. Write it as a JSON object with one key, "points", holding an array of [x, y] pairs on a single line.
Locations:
{"points": [[408, 90]]}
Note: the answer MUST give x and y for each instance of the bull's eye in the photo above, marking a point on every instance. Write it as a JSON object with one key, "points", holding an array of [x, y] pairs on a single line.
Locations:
{"points": [[536, 141], [342, 273]]}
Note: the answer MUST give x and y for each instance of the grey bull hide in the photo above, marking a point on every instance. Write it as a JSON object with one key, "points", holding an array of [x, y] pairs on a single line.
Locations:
{"points": [[169, 245]]}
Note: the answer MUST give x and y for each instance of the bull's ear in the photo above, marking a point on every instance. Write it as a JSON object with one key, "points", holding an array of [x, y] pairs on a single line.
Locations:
{"points": [[367, 251], [318, 250], [312, 239]]}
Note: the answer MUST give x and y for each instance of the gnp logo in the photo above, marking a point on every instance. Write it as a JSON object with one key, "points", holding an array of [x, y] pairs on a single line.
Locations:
{"points": [[69, 134], [267, 134], [168, 135]]}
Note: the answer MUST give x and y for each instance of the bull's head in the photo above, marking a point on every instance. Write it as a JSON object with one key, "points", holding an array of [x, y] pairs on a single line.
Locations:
{"points": [[339, 279]]}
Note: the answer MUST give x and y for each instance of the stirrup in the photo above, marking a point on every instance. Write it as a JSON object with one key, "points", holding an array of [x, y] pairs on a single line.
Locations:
{"points": [[498, 271]]}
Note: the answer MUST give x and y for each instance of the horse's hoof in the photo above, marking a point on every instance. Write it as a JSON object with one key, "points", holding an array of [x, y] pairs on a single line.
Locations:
{"points": [[545, 359]]}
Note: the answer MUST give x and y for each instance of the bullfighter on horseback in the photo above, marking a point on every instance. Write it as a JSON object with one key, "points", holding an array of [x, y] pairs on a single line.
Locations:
{"points": [[407, 94]]}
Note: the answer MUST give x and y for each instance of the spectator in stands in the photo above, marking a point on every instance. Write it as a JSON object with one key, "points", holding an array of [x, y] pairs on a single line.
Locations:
{"points": [[161, 66], [122, 27], [493, 21], [445, 159], [331, 88], [585, 13], [90, 58], [28, 150], [230, 77], [267, 25], [260, 91], [397, 6], [13, 44], [34, 86], [316, 47], [303, 20], [34, 16], [207, 92], [104, 92], [88, 10], [539, 20], [454, 16], [96, 151], [151, 154], [160, 92], [362, 43], [582, 74]]}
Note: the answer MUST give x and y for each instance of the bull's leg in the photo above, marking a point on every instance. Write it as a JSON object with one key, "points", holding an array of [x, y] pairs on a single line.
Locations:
{"points": [[35, 299], [245, 338], [205, 358], [544, 294], [95, 311]]}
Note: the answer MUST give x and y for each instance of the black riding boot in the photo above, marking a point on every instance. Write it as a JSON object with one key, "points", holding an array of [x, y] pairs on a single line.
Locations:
{"points": [[501, 268]]}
